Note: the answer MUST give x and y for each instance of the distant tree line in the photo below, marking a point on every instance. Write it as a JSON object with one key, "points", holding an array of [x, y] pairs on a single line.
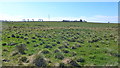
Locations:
{"points": [[74, 21]]}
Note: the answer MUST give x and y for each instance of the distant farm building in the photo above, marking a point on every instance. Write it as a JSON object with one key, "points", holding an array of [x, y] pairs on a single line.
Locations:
{"points": [[40, 20], [32, 20]]}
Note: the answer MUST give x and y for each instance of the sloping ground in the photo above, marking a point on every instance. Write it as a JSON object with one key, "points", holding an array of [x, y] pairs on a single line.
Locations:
{"points": [[59, 44]]}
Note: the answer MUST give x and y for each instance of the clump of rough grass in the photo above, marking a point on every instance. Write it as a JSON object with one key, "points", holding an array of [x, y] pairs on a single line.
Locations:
{"points": [[39, 60], [21, 48]]}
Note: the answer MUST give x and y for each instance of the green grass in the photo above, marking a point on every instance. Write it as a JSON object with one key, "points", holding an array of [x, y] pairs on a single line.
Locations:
{"points": [[96, 43]]}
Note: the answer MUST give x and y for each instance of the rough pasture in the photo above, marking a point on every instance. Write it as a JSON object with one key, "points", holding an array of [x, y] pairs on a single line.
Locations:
{"points": [[59, 44]]}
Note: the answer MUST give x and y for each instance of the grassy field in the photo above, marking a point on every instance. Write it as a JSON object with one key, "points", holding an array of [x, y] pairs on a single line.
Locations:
{"points": [[59, 44]]}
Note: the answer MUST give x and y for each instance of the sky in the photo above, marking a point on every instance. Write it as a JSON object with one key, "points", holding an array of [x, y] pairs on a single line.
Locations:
{"points": [[58, 11], [59, 0]]}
